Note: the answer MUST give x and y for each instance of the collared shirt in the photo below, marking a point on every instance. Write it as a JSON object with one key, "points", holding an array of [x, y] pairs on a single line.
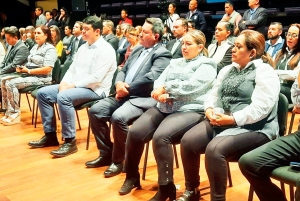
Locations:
{"points": [[40, 20], [176, 44], [252, 11], [93, 67], [271, 47], [45, 55]]}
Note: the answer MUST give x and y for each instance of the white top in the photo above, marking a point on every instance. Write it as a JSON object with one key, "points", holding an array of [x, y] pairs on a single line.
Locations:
{"points": [[263, 97], [93, 67], [287, 74], [171, 20], [2, 53], [218, 54]]}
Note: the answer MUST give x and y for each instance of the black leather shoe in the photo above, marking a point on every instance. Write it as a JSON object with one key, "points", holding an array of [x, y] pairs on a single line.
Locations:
{"points": [[129, 184], [99, 162], [190, 196], [164, 192], [65, 149], [113, 170], [45, 141]]}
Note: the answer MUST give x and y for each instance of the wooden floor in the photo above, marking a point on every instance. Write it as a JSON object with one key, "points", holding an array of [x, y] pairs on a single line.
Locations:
{"points": [[33, 175]]}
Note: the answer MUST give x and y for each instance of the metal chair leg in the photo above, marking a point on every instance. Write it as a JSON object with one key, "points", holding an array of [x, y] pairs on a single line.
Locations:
{"points": [[282, 188], [175, 156], [229, 175], [291, 123], [78, 120], [145, 161], [28, 102], [88, 134], [33, 111], [251, 192]]}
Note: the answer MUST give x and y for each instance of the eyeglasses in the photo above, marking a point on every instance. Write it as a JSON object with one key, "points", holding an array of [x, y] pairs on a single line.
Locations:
{"points": [[287, 34]]}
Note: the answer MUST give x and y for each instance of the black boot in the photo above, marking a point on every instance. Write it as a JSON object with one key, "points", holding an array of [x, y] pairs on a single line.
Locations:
{"points": [[49, 139], [65, 149], [164, 192], [129, 184], [193, 195]]}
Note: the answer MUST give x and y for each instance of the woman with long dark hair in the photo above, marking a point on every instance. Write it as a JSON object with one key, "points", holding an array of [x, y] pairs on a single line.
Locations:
{"points": [[63, 20]]}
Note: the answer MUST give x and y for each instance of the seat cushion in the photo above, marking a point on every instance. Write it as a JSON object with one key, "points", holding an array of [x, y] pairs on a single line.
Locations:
{"points": [[286, 174]]}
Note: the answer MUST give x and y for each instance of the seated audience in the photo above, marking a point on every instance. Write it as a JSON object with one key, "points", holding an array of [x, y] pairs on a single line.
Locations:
{"points": [[3, 37], [167, 35], [125, 19], [108, 34], [16, 54], [232, 16], [29, 38], [2, 50], [68, 37], [38, 69], [133, 38], [180, 27], [55, 37], [247, 91], [88, 79], [180, 91], [254, 18], [275, 42], [197, 16], [139, 29], [191, 25], [119, 32], [172, 17], [22, 32], [134, 84], [288, 60], [258, 164], [123, 44], [221, 50], [103, 16], [49, 18], [76, 42]]}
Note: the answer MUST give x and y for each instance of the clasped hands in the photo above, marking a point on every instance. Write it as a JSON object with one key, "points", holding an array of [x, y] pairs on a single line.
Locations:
{"points": [[219, 119], [121, 90], [160, 95], [22, 69], [64, 86]]}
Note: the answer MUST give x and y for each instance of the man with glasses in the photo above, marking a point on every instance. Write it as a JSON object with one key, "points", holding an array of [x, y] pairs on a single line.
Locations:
{"points": [[275, 42]]}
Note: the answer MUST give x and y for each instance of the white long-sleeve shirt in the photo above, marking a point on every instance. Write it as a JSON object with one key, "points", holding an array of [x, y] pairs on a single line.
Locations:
{"points": [[93, 67]]}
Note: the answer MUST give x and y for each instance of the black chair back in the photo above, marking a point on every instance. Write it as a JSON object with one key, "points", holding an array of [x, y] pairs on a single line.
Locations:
{"points": [[282, 113]]}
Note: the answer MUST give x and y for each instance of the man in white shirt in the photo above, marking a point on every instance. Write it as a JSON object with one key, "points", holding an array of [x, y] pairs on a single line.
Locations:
{"points": [[89, 78], [275, 42], [40, 17]]}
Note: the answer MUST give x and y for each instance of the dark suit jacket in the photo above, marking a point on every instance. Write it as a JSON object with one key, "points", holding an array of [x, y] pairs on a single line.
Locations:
{"points": [[259, 20], [113, 40], [199, 19], [178, 53], [17, 56], [81, 41], [150, 69], [52, 22], [122, 51]]}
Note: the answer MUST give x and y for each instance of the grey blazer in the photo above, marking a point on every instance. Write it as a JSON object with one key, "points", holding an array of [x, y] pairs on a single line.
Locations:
{"points": [[17, 56], [259, 20], [150, 69], [113, 40], [178, 53]]}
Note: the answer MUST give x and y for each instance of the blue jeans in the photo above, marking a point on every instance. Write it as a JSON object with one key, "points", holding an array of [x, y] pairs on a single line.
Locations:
{"points": [[66, 101]]}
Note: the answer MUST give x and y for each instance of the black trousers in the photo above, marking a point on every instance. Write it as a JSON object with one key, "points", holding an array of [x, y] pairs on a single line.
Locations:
{"points": [[165, 129], [120, 114], [258, 164], [218, 150]]}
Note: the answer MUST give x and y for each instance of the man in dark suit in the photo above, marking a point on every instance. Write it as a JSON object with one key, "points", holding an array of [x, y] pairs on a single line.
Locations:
{"points": [[134, 84], [254, 18], [197, 16], [17, 52], [49, 18], [108, 34], [76, 42], [180, 27]]}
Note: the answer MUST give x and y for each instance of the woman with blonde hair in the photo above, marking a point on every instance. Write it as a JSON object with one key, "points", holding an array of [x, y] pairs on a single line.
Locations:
{"points": [[180, 91], [132, 36], [119, 32], [288, 61], [247, 91], [55, 37]]}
